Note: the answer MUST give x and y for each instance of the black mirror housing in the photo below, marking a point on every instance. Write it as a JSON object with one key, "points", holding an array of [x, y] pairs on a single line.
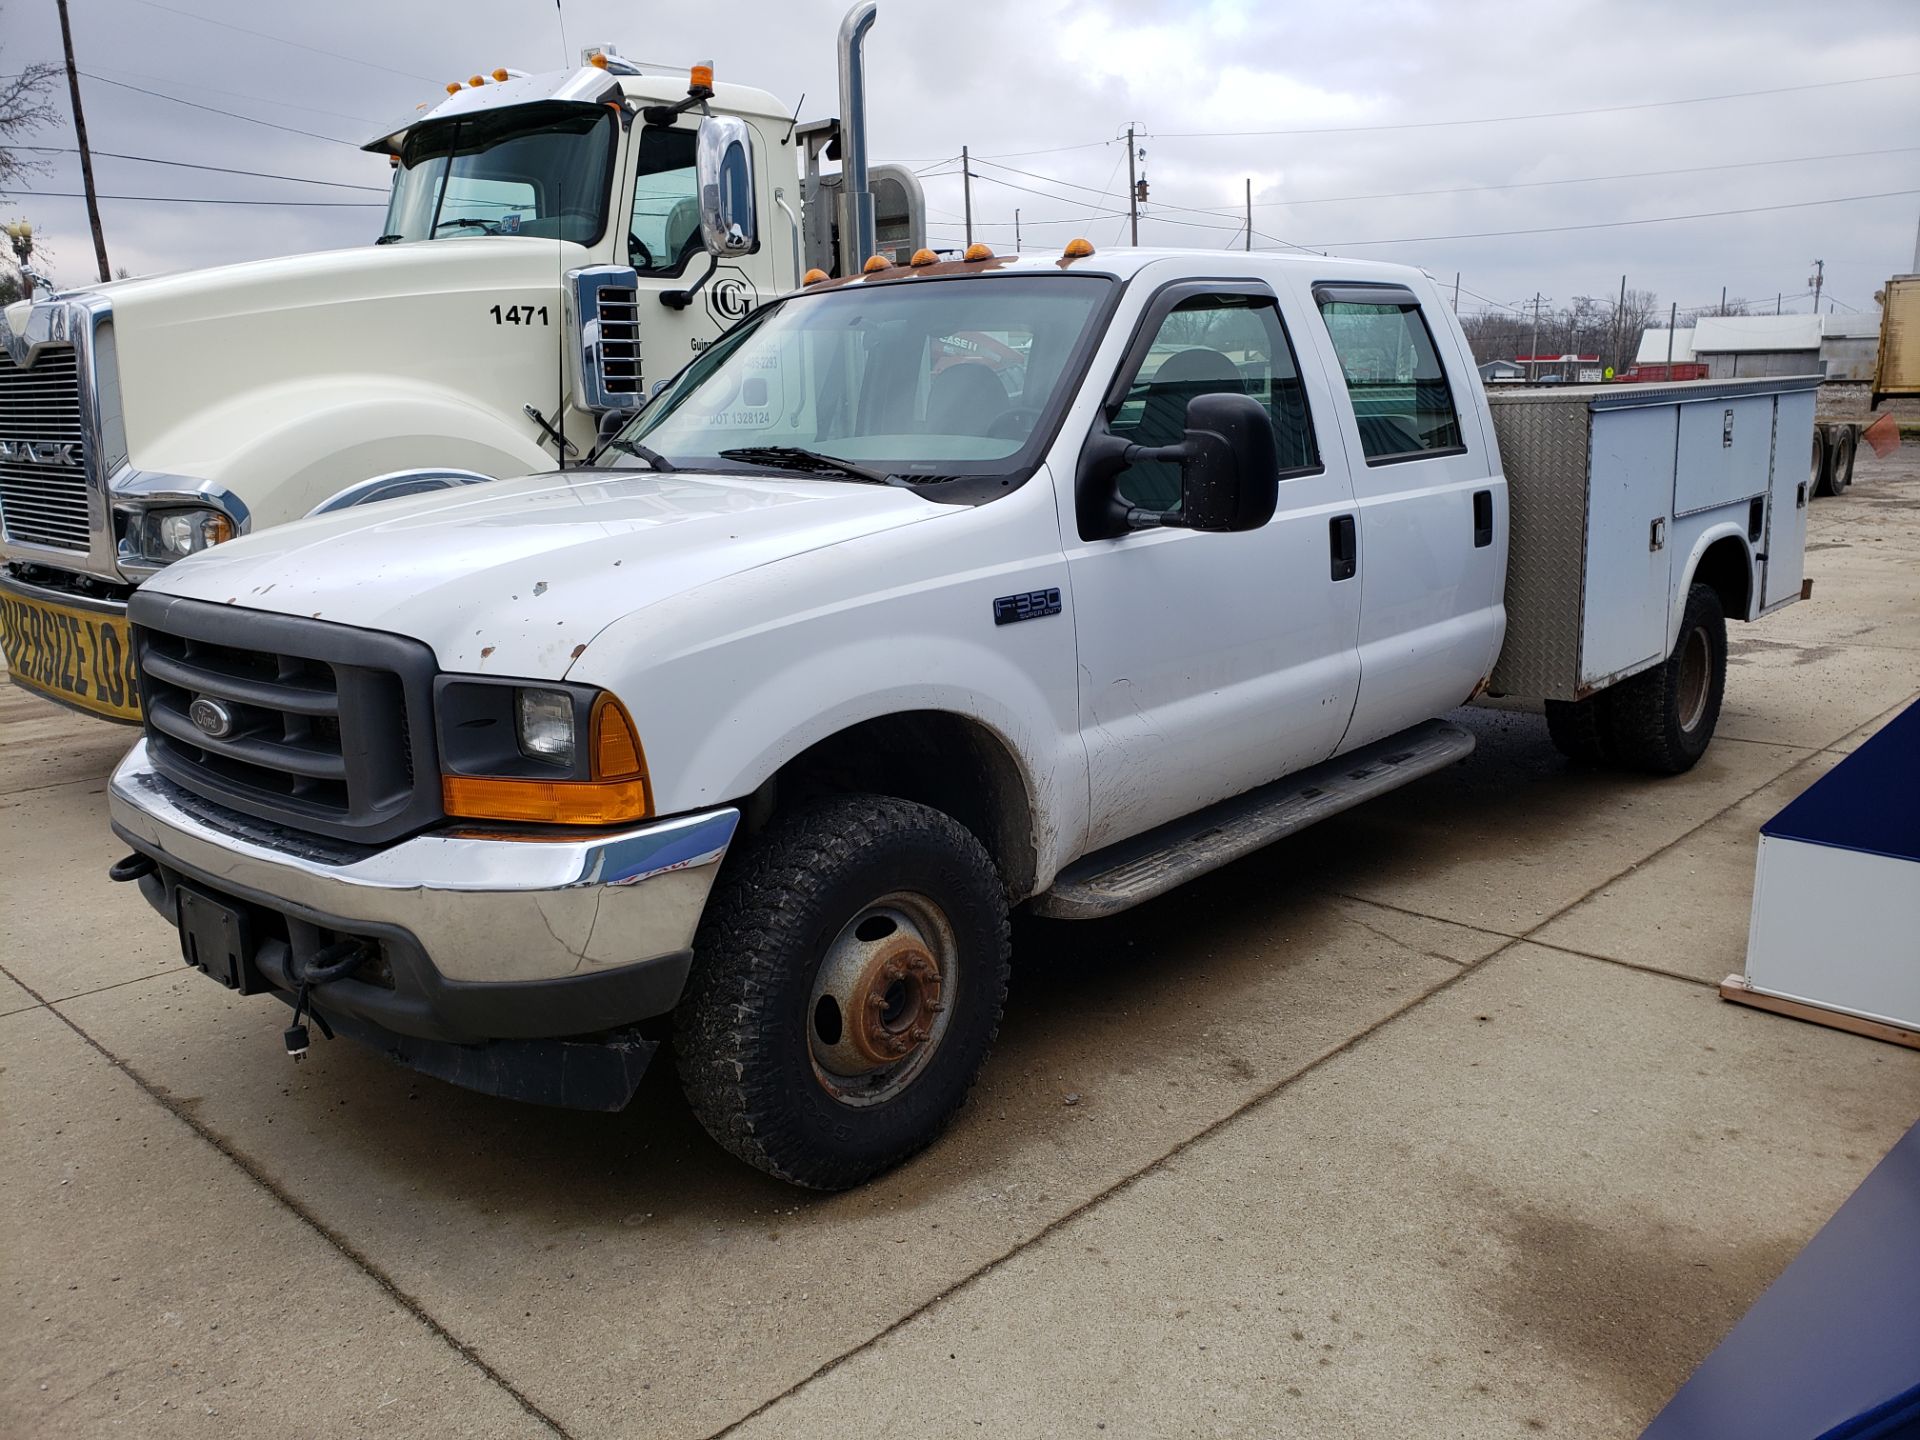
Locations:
{"points": [[1230, 473]]}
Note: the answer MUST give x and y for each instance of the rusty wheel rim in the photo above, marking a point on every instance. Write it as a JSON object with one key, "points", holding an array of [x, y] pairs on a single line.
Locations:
{"points": [[1695, 676], [880, 1003]]}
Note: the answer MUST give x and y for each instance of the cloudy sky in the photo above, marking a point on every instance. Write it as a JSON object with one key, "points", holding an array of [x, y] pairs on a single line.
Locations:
{"points": [[1039, 89]]}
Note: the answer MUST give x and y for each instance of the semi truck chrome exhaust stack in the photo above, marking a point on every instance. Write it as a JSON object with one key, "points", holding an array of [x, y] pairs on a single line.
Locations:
{"points": [[857, 237]]}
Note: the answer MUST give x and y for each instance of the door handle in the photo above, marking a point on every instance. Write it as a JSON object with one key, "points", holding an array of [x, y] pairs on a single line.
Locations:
{"points": [[1344, 541], [1482, 519]]}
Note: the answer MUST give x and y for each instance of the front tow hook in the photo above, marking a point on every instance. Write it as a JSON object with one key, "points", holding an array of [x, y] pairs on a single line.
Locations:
{"points": [[131, 867]]}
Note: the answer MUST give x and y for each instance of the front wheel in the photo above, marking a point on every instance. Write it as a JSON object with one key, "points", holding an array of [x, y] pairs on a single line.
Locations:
{"points": [[1662, 719], [847, 983]]}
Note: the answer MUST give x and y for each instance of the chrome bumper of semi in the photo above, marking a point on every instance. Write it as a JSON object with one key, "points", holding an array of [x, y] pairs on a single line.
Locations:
{"points": [[484, 909]]}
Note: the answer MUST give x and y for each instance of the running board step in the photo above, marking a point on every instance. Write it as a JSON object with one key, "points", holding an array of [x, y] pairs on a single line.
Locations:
{"points": [[1123, 875]]}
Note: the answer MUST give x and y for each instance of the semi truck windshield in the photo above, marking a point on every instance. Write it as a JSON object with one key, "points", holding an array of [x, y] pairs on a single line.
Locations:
{"points": [[542, 170]]}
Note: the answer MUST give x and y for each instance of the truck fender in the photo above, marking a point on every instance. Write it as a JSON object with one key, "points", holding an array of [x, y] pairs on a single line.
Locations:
{"points": [[1727, 534], [394, 484], [308, 441]]}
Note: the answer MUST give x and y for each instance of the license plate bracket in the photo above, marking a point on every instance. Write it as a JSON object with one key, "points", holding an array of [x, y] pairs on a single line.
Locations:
{"points": [[217, 939]]}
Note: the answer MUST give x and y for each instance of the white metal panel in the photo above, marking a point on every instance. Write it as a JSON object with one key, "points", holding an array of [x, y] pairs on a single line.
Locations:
{"points": [[1787, 497], [1837, 928], [1623, 616], [1723, 452]]}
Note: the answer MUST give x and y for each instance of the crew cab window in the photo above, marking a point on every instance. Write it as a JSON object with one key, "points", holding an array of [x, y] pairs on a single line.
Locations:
{"points": [[1211, 344], [1401, 399], [665, 231]]}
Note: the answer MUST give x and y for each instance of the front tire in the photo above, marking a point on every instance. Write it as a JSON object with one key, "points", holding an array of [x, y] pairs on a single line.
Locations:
{"points": [[1662, 720], [847, 984]]}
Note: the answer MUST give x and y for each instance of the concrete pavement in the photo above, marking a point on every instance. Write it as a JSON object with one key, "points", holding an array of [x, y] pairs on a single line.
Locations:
{"points": [[1425, 1122]]}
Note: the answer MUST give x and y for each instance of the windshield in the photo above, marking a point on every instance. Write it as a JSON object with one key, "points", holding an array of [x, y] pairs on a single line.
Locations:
{"points": [[916, 381], [533, 170]]}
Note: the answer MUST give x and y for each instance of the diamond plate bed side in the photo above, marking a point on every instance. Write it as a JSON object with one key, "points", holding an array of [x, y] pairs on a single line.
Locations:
{"points": [[1544, 448]]}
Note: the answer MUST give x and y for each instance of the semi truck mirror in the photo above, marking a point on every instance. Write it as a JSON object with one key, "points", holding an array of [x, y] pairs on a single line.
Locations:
{"points": [[723, 165], [1230, 474]]}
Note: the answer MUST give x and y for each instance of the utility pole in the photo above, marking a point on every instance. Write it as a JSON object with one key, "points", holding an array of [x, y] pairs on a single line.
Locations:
{"points": [[966, 190], [1776, 301], [1620, 327], [1723, 299], [1533, 345], [1249, 212], [1816, 279], [1133, 189], [1673, 316], [86, 155], [1456, 292], [1016, 229]]}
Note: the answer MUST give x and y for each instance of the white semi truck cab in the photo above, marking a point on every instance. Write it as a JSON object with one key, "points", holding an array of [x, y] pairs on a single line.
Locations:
{"points": [[923, 594], [554, 245]]}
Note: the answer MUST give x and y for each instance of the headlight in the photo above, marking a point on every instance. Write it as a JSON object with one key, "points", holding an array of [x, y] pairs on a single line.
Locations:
{"points": [[550, 754], [169, 535], [543, 723]]}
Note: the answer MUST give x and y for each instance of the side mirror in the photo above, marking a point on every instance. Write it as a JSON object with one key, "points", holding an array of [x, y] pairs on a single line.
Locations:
{"points": [[1229, 472], [723, 167], [1230, 475]]}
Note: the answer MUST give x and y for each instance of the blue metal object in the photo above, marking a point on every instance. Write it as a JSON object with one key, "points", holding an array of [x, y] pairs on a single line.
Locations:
{"points": [[1832, 1350]]}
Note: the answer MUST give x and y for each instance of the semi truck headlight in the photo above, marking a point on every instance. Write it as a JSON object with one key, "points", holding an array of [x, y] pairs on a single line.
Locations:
{"points": [[168, 535], [544, 754], [543, 722]]}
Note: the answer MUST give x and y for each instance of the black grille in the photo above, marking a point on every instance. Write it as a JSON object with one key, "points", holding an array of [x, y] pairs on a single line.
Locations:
{"points": [[319, 731], [43, 452]]}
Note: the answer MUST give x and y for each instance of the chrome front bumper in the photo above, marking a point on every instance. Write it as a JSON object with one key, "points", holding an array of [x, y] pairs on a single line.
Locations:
{"points": [[485, 910]]}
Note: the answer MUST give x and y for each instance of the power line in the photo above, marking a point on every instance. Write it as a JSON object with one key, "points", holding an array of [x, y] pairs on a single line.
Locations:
{"points": [[277, 101], [214, 110], [1582, 180], [1616, 224], [1539, 115], [215, 169], [279, 40], [208, 200]]}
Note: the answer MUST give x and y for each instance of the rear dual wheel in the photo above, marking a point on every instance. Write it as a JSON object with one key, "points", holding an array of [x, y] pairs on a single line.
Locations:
{"points": [[848, 981]]}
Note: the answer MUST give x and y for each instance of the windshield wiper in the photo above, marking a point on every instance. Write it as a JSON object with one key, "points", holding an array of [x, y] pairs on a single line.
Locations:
{"points": [[806, 462], [389, 239], [466, 222], [633, 447]]}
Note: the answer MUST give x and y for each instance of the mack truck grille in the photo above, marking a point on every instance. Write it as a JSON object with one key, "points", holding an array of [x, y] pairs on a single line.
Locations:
{"points": [[309, 725], [43, 458]]}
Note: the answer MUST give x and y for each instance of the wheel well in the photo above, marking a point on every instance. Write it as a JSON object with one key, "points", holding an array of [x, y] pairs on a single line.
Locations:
{"points": [[1726, 569], [946, 761]]}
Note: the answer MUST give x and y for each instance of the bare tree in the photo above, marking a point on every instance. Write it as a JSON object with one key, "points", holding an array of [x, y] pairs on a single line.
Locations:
{"points": [[26, 105]]}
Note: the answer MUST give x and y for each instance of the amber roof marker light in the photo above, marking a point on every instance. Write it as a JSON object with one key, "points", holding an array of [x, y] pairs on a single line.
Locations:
{"points": [[875, 264], [1077, 249], [979, 250]]}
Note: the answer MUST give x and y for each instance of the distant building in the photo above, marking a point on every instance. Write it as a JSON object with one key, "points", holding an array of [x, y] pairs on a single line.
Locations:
{"points": [[1502, 372], [1726, 347], [1561, 369]]}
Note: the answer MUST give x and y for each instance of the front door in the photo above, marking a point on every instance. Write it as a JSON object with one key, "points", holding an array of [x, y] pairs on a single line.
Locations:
{"points": [[1211, 663]]}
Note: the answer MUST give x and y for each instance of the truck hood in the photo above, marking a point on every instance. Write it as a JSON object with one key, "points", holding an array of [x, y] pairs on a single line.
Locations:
{"points": [[196, 350], [516, 577]]}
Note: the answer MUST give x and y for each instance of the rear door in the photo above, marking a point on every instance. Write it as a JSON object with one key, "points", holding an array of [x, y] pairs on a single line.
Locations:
{"points": [[1210, 663], [1431, 504]]}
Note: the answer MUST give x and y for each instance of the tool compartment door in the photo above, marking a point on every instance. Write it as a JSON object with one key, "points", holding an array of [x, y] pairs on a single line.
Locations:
{"points": [[1630, 481], [1785, 543], [1726, 446]]}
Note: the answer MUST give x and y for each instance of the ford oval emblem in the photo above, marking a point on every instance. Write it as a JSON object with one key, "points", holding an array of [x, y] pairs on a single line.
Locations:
{"points": [[212, 718]]}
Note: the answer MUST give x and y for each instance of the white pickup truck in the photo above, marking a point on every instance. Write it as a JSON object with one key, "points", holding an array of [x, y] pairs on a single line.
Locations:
{"points": [[925, 594]]}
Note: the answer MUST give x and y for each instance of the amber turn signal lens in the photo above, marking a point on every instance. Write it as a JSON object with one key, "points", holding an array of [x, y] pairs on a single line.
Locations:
{"points": [[925, 257], [979, 251], [876, 263], [546, 802], [814, 276], [616, 748], [1078, 249]]}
